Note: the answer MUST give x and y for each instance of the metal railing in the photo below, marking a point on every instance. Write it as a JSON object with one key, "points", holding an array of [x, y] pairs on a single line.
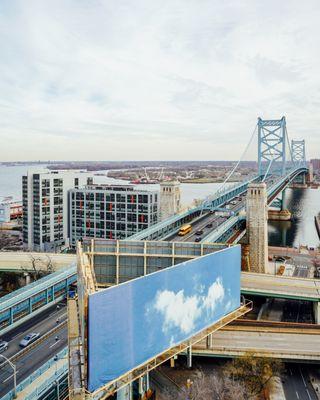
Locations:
{"points": [[36, 374]]}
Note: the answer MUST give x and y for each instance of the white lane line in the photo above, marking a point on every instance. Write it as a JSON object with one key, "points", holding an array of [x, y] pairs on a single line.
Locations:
{"points": [[9, 377], [308, 394], [304, 382], [297, 395], [54, 343]]}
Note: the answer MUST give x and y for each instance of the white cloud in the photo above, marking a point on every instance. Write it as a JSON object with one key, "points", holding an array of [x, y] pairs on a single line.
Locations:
{"points": [[170, 79], [182, 312], [179, 311], [215, 295]]}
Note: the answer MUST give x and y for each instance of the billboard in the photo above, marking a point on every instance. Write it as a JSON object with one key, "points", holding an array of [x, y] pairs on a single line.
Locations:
{"points": [[139, 319]]}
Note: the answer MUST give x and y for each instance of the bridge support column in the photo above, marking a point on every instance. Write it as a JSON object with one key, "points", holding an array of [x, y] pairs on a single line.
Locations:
{"points": [[257, 226], [316, 309], [125, 393]]}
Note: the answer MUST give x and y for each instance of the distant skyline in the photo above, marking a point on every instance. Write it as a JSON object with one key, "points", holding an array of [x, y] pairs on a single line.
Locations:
{"points": [[148, 80]]}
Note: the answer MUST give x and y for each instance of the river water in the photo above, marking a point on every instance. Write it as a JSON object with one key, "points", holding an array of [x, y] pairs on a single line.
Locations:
{"points": [[303, 203]]}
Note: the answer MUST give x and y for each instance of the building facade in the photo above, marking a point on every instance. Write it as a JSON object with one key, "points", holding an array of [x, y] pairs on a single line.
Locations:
{"points": [[170, 199], [110, 211], [315, 164], [45, 207]]}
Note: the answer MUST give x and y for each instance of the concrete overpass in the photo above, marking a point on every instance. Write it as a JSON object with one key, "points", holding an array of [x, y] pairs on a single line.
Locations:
{"points": [[275, 342], [16, 261]]}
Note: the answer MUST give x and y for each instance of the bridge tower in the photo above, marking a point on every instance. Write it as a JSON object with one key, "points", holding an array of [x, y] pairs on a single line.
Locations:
{"points": [[298, 150], [257, 226], [272, 145]]}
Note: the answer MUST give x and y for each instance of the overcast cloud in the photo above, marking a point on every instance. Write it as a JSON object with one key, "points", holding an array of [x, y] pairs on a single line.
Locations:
{"points": [[147, 79]]}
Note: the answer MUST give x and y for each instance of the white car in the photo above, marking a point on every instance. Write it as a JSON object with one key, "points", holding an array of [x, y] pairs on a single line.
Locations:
{"points": [[3, 345], [29, 338]]}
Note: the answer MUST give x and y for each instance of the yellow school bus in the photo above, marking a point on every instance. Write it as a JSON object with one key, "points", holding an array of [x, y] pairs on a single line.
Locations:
{"points": [[185, 229]]}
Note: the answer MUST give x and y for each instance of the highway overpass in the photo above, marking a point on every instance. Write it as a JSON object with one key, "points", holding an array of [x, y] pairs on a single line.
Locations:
{"points": [[267, 341], [17, 261]]}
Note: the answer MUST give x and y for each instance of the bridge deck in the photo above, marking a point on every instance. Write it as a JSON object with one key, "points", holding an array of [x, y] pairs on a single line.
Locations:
{"points": [[232, 342], [280, 286]]}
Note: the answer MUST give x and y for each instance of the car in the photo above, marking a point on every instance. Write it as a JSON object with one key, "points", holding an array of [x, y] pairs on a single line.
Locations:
{"points": [[200, 232], [198, 239], [3, 345], [29, 338], [209, 225]]}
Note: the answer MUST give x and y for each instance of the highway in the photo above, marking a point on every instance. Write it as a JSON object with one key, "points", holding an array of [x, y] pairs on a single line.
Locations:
{"points": [[288, 287], [231, 341], [38, 355], [296, 383]]}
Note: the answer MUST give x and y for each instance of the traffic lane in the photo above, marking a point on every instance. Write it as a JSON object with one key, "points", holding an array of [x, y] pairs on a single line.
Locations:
{"points": [[43, 326], [27, 325], [32, 360], [296, 383]]}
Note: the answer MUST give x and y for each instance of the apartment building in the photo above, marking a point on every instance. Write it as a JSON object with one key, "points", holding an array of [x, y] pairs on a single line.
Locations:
{"points": [[111, 211], [45, 207]]}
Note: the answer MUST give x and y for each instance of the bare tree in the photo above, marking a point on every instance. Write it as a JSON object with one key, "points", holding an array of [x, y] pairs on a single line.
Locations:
{"points": [[253, 373], [39, 267], [212, 386]]}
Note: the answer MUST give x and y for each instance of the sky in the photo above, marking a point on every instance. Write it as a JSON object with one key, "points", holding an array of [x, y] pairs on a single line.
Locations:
{"points": [[155, 80]]}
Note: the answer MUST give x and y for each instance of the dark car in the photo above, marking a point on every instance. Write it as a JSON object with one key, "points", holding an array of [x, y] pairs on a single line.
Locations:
{"points": [[209, 225], [200, 232], [198, 239]]}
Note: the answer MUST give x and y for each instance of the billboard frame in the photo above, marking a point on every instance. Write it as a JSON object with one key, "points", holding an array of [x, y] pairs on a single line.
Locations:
{"points": [[120, 382]]}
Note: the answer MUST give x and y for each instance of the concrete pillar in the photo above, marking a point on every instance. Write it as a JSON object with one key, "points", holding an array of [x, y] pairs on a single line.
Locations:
{"points": [[257, 226], [125, 393], [316, 310], [27, 278]]}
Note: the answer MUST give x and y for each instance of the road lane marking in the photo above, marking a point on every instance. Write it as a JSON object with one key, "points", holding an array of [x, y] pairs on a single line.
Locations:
{"points": [[9, 377], [297, 395], [308, 394], [54, 343]]}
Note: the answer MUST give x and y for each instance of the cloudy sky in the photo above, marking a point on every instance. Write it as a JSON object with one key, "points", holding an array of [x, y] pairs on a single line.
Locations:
{"points": [[147, 79]]}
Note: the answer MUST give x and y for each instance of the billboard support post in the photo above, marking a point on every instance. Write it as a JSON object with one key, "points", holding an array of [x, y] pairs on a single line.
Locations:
{"points": [[209, 341], [189, 357]]}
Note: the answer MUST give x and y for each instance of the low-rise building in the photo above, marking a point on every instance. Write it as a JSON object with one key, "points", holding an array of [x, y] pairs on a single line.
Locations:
{"points": [[111, 211]]}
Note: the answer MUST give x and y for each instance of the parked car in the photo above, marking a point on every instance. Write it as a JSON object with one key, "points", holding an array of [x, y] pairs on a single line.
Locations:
{"points": [[200, 232], [209, 225], [3, 345], [29, 338], [198, 239]]}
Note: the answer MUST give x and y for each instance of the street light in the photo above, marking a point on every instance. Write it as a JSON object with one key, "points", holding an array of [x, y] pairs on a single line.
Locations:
{"points": [[14, 375]]}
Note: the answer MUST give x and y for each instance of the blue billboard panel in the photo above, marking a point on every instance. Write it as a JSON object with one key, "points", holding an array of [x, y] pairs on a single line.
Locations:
{"points": [[137, 320]]}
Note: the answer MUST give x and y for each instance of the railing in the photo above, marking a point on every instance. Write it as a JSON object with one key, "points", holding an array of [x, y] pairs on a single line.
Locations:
{"points": [[35, 375]]}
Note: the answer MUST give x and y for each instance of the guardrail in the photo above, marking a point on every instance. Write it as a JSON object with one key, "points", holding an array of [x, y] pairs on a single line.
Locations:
{"points": [[36, 374]]}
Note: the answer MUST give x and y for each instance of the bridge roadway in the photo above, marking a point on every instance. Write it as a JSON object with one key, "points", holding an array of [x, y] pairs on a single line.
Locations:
{"points": [[16, 261], [46, 348], [280, 286], [276, 342]]}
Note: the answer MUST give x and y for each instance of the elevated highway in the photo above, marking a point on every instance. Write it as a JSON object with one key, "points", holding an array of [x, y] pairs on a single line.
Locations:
{"points": [[266, 341], [25, 261]]}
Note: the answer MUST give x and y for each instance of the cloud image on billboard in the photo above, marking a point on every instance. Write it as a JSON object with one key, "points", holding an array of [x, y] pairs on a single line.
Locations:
{"points": [[137, 320]]}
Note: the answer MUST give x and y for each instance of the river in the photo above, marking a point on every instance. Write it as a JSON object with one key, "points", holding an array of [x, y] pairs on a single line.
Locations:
{"points": [[303, 203]]}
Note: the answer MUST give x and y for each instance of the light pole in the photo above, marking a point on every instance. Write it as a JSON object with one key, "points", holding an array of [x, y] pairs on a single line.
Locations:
{"points": [[14, 375]]}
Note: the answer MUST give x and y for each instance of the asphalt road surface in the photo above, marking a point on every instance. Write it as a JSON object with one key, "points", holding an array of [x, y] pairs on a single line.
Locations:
{"points": [[296, 383], [33, 359]]}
